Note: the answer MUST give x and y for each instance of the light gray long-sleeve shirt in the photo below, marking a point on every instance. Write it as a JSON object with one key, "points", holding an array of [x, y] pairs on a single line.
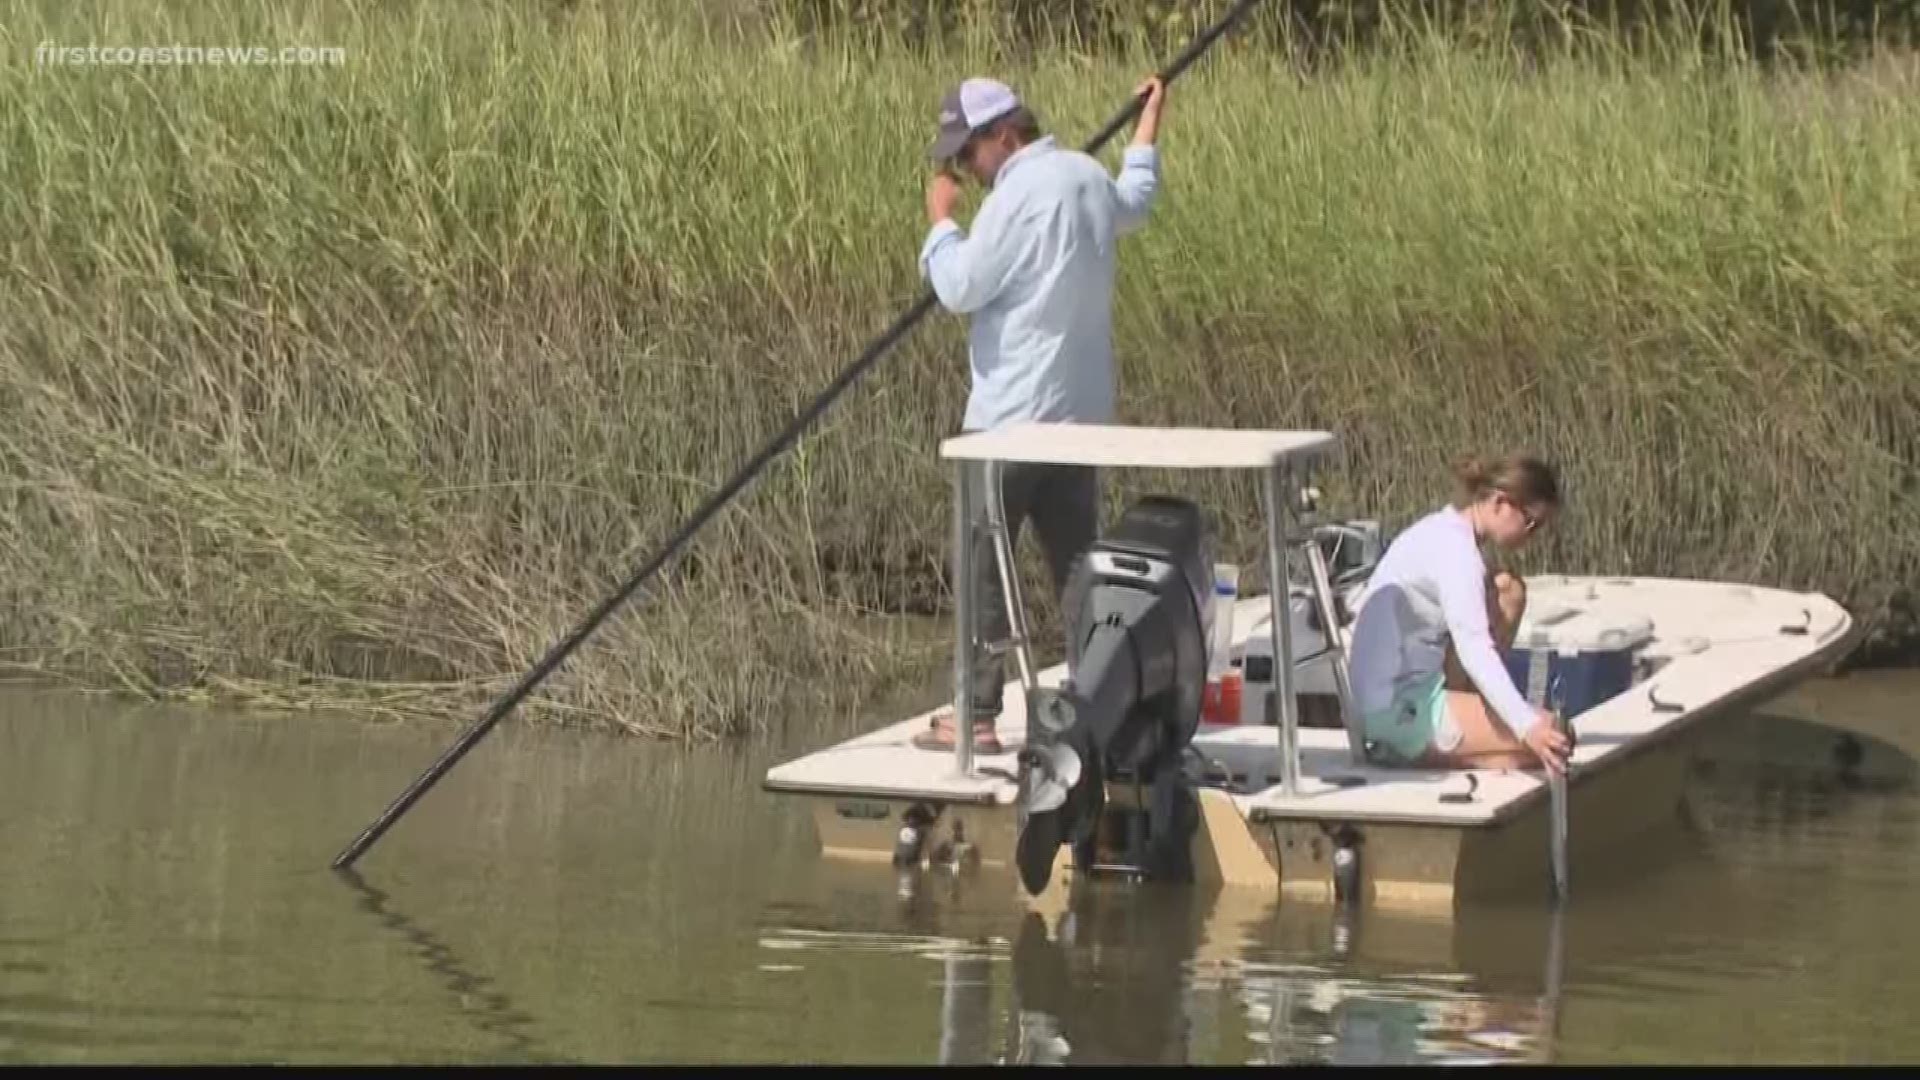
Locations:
{"points": [[1430, 587], [1036, 274]]}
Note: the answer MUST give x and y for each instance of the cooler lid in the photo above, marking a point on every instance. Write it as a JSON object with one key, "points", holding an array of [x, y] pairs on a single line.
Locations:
{"points": [[1571, 628]]}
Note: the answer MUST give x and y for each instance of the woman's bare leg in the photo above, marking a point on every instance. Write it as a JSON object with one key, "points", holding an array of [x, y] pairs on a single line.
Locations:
{"points": [[1485, 741], [1506, 606]]}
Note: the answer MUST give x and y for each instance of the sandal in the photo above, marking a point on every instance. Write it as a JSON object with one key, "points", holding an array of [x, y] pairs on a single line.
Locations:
{"points": [[939, 736]]}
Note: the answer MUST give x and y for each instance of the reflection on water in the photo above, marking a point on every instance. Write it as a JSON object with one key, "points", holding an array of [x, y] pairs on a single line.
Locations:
{"points": [[1157, 975], [1756, 931], [475, 994], [565, 898]]}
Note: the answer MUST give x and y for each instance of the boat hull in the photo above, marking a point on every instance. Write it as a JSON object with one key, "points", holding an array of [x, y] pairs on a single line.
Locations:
{"points": [[1403, 865]]}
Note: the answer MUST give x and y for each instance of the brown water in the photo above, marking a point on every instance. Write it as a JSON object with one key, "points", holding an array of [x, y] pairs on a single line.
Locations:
{"points": [[562, 897]]}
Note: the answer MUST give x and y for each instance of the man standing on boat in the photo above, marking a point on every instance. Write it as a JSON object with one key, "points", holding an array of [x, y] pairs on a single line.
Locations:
{"points": [[1035, 276]]}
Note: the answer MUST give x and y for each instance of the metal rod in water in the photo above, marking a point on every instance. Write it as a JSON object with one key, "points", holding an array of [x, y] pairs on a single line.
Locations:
{"points": [[1552, 981], [1281, 627], [1556, 784], [1557, 796], [964, 571]]}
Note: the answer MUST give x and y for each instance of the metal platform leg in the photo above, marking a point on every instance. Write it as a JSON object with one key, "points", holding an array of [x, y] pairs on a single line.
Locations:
{"points": [[1281, 625], [1336, 650], [969, 648], [1018, 641], [964, 629]]}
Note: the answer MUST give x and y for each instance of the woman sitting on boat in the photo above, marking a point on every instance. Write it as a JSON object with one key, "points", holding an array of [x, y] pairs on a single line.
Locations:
{"points": [[1428, 681]]}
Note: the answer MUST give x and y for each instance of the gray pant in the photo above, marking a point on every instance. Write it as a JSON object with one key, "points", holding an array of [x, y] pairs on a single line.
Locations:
{"points": [[1064, 503]]}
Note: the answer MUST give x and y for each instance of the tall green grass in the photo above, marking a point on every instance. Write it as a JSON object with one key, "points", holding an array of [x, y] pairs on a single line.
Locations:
{"points": [[365, 382]]}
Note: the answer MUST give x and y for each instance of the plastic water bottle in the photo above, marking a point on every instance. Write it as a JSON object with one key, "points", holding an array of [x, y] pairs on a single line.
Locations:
{"points": [[1226, 592], [1220, 703]]}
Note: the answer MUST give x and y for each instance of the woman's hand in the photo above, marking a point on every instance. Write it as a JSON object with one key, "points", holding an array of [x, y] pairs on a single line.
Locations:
{"points": [[1546, 739]]}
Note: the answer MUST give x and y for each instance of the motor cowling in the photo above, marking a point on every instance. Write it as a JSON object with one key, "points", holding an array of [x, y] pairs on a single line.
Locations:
{"points": [[1137, 605], [1136, 608]]}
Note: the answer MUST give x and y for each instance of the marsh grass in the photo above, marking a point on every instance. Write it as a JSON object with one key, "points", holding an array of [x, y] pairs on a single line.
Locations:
{"points": [[363, 384]]}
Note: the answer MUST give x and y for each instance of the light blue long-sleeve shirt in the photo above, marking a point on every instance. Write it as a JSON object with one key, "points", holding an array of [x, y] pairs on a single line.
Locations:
{"points": [[1036, 275]]}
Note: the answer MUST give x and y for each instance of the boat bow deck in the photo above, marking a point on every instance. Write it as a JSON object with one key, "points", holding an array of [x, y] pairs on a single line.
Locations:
{"points": [[1714, 645]]}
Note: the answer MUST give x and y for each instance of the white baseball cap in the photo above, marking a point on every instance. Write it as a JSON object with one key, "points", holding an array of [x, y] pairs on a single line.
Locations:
{"points": [[966, 109]]}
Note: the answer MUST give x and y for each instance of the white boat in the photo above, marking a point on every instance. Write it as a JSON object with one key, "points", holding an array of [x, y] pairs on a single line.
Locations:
{"points": [[1101, 772]]}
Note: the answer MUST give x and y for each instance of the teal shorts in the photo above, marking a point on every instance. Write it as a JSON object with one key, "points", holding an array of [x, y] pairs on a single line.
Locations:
{"points": [[1417, 721]]}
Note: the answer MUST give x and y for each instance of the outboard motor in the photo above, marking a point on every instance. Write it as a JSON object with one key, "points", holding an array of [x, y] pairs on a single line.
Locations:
{"points": [[1137, 606]]}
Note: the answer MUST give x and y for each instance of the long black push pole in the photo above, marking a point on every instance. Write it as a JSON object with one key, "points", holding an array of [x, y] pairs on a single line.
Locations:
{"points": [[720, 498]]}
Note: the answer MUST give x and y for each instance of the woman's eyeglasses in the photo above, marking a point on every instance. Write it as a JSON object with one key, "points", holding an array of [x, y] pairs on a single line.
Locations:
{"points": [[1532, 519]]}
